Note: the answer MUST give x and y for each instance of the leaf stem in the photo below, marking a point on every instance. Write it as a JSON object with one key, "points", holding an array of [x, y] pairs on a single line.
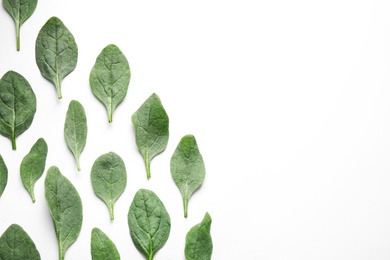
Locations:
{"points": [[185, 204], [13, 140], [147, 165], [78, 163], [32, 196], [18, 36], [58, 87], [111, 211]]}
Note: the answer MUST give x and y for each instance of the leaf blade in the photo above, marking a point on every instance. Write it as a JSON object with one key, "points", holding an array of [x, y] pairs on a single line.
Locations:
{"points": [[199, 245], [16, 244], [56, 52], [76, 130], [110, 77], [20, 11], [17, 106], [65, 208], [187, 168], [102, 247], [3, 175], [109, 179], [149, 223], [151, 126], [33, 166]]}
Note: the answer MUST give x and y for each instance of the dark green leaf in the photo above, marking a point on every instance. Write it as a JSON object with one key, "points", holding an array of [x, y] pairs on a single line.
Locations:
{"points": [[151, 126], [76, 129], [187, 168], [199, 245], [33, 166], [16, 244], [102, 248], [56, 52], [108, 176], [65, 208], [149, 223], [17, 106], [110, 77], [20, 10], [3, 175]]}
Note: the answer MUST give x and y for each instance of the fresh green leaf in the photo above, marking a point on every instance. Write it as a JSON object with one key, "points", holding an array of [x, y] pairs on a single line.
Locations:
{"points": [[187, 168], [76, 129], [199, 245], [102, 248], [56, 52], [108, 176], [20, 10], [3, 176], [65, 208], [149, 223], [16, 244], [151, 126], [17, 106], [33, 166], [110, 77]]}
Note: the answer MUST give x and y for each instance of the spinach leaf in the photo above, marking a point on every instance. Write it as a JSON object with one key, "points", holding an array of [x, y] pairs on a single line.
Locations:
{"points": [[187, 168], [33, 166], [110, 77], [151, 125], [3, 176], [108, 176], [199, 245], [55, 52], [17, 105], [65, 209], [76, 129], [20, 10], [149, 223], [102, 248], [16, 244]]}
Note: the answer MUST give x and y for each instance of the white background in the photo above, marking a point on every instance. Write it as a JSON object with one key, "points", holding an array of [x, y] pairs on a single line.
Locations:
{"points": [[289, 102]]}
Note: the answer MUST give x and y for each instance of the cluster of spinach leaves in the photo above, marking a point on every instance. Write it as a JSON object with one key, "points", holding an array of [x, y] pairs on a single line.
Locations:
{"points": [[149, 221]]}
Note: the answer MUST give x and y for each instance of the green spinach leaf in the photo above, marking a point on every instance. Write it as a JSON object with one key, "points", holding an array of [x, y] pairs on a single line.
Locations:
{"points": [[33, 166], [187, 168], [17, 106], [199, 245], [20, 10], [56, 52], [65, 208], [3, 175], [110, 77], [149, 223], [76, 129], [102, 248], [108, 176], [151, 126], [16, 244]]}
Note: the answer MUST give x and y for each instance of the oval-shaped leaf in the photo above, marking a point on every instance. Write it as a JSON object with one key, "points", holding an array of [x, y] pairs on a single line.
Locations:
{"points": [[75, 129], [187, 168], [149, 223], [102, 248], [56, 52], [65, 208], [17, 105], [108, 176], [16, 244], [33, 166], [20, 10], [110, 77], [199, 245], [3, 175], [151, 126]]}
